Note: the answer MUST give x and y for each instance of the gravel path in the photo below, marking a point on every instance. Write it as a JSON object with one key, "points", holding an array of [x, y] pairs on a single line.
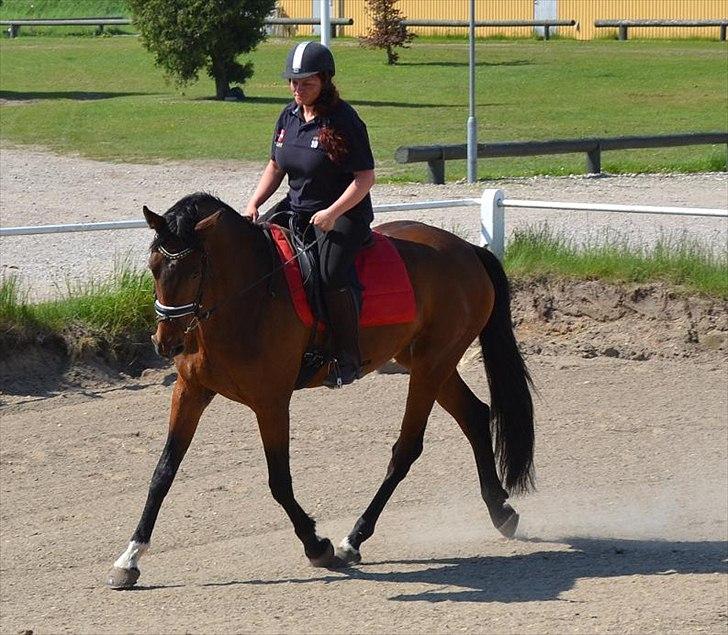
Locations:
{"points": [[37, 188]]}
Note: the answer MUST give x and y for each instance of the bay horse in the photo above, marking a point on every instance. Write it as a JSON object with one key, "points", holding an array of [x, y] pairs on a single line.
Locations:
{"points": [[247, 345]]}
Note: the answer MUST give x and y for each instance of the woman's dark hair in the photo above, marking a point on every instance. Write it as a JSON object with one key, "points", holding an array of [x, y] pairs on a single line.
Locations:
{"points": [[329, 138]]}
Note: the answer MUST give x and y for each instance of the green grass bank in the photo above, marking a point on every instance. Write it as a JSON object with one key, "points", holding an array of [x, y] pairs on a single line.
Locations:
{"points": [[102, 97]]}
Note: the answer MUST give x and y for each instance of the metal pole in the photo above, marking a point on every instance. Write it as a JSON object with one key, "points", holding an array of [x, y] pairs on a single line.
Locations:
{"points": [[325, 23], [472, 127]]}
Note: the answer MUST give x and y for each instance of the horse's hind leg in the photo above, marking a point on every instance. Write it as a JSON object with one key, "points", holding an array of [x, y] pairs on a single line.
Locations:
{"points": [[188, 403], [473, 417], [420, 399]]}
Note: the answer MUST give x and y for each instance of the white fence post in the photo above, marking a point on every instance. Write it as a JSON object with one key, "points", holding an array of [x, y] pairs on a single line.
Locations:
{"points": [[492, 221]]}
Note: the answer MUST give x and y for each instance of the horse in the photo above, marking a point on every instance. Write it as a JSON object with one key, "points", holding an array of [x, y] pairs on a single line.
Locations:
{"points": [[228, 322]]}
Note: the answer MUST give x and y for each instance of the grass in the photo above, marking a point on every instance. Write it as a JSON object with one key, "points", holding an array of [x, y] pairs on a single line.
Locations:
{"points": [[102, 311], [120, 308], [677, 260], [103, 98], [63, 9]]}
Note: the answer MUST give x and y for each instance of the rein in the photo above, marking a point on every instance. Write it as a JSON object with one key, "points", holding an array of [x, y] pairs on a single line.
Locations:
{"points": [[168, 313]]}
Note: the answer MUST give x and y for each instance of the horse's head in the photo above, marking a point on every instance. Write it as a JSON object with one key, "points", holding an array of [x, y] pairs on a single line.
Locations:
{"points": [[179, 263]]}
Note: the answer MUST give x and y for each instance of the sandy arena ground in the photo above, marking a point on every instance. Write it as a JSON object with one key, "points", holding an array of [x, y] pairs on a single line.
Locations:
{"points": [[627, 531]]}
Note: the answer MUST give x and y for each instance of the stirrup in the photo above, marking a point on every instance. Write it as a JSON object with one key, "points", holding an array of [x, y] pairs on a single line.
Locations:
{"points": [[335, 377]]}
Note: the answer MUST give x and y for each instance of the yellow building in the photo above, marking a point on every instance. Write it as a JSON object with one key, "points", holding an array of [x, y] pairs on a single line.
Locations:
{"points": [[583, 11]]}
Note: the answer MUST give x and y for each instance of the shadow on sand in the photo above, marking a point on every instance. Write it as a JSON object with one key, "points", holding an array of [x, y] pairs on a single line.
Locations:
{"points": [[534, 577]]}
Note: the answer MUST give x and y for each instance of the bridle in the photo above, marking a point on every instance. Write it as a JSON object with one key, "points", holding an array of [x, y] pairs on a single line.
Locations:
{"points": [[168, 313]]}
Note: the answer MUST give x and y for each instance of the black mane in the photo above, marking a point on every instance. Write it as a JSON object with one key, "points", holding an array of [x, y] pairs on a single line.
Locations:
{"points": [[182, 217]]}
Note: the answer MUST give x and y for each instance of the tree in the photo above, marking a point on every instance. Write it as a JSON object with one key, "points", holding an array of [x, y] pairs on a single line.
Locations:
{"points": [[387, 30], [188, 35]]}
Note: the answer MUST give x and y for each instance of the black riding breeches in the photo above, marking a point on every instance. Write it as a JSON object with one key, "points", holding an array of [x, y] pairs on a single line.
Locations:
{"points": [[339, 247]]}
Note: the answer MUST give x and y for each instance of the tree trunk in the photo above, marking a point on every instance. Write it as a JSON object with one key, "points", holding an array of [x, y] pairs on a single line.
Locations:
{"points": [[219, 72]]}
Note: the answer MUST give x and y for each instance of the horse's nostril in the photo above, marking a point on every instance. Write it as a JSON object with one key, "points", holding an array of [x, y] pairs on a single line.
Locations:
{"points": [[177, 350]]}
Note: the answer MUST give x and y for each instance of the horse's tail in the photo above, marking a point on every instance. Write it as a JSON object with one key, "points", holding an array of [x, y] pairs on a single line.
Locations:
{"points": [[511, 408]]}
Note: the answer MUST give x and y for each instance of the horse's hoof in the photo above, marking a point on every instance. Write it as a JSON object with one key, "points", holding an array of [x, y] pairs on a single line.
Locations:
{"points": [[119, 578], [348, 554], [327, 560], [509, 525]]}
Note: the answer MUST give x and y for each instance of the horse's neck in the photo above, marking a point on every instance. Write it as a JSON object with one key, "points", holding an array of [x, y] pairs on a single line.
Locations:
{"points": [[252, 259]]}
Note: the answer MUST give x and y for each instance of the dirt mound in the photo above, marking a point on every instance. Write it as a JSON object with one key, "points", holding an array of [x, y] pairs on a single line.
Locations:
{"points": [[42, 364], [637, 322], [552, 317]]}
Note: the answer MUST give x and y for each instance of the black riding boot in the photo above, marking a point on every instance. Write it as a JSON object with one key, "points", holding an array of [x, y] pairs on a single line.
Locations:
{"points": [[344, 325]]}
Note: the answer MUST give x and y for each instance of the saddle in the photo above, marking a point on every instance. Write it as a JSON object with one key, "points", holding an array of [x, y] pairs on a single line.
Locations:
{"points": [[284, 225], [379, 278]]}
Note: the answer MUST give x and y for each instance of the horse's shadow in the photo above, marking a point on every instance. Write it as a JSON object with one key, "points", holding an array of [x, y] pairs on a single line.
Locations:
{"points": [[539, 576]]}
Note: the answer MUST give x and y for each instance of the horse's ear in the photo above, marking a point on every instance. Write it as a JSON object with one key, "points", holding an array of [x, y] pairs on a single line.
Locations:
{"points": [[155, 221], [208, 223]]}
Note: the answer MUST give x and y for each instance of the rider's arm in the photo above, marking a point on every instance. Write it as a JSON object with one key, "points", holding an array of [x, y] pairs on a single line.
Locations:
{"points": [[353, 194], [269, 182]]}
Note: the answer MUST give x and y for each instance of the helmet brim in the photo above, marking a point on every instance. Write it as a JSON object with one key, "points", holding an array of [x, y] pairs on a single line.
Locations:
{"points": [[291, 75]]}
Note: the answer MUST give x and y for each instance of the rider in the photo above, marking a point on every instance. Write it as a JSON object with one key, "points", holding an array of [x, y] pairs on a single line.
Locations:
{"points": [[322, 145]]}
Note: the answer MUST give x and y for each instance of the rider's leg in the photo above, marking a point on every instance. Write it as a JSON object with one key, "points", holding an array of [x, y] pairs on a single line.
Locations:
{"points": [[337, 251]]}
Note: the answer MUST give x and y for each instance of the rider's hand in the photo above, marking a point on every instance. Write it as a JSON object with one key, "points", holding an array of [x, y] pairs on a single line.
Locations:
{"points": [[324, 220], [251, 211]]}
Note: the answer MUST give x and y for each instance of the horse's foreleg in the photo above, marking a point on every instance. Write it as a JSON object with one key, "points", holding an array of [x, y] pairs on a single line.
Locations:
{"points": [[188, 403], [405, 452], [274, 423], [473, 417]]}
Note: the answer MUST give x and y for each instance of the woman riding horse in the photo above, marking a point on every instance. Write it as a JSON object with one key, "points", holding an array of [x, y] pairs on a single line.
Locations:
{"points": [[321, 144]]}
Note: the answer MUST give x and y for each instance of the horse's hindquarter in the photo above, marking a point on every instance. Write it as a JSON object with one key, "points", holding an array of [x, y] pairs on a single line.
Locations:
{"points": [[451, 285]]}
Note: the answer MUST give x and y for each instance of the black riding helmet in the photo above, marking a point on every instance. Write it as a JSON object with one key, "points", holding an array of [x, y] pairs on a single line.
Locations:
{"points": [[308, 58]]}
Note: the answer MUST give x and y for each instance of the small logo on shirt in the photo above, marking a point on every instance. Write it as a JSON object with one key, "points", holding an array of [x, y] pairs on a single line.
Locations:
{"points": [[279, 139], [315, 142]]}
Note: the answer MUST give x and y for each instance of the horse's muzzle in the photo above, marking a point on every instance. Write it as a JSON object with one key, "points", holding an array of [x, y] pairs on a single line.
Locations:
{"points": [[168, 351]]}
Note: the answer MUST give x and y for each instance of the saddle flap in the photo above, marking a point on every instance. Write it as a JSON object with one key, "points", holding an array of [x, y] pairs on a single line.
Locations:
{"points": [[387, 296]]}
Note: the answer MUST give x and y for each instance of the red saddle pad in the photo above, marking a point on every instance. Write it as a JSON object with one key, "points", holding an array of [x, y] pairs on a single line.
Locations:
{"points": [[387, 297]]}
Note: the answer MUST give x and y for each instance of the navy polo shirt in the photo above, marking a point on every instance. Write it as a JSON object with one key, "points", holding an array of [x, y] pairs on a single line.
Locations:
{"points": [[315, 181]]}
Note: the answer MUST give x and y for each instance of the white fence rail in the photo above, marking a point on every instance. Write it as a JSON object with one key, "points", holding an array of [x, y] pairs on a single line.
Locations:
{"points": [[492, 205], [494, 202]]}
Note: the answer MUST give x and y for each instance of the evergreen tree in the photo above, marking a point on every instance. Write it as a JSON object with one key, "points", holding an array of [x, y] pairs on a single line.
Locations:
{"points": [[189, 35]]}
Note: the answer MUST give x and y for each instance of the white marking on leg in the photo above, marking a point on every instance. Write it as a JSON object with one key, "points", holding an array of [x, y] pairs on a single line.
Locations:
{"points": [[345, 545], [130, 558]]}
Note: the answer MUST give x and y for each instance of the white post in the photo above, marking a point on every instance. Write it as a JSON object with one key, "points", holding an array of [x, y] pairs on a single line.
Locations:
{"points": [[325, 23], [492, 222]]}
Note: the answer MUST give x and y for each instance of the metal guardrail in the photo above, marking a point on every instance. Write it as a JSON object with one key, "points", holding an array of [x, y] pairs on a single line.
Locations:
{"points": [[311, 21], [99, 23], [545, 24], [623, 25], [15, 24], [436, 155]]}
